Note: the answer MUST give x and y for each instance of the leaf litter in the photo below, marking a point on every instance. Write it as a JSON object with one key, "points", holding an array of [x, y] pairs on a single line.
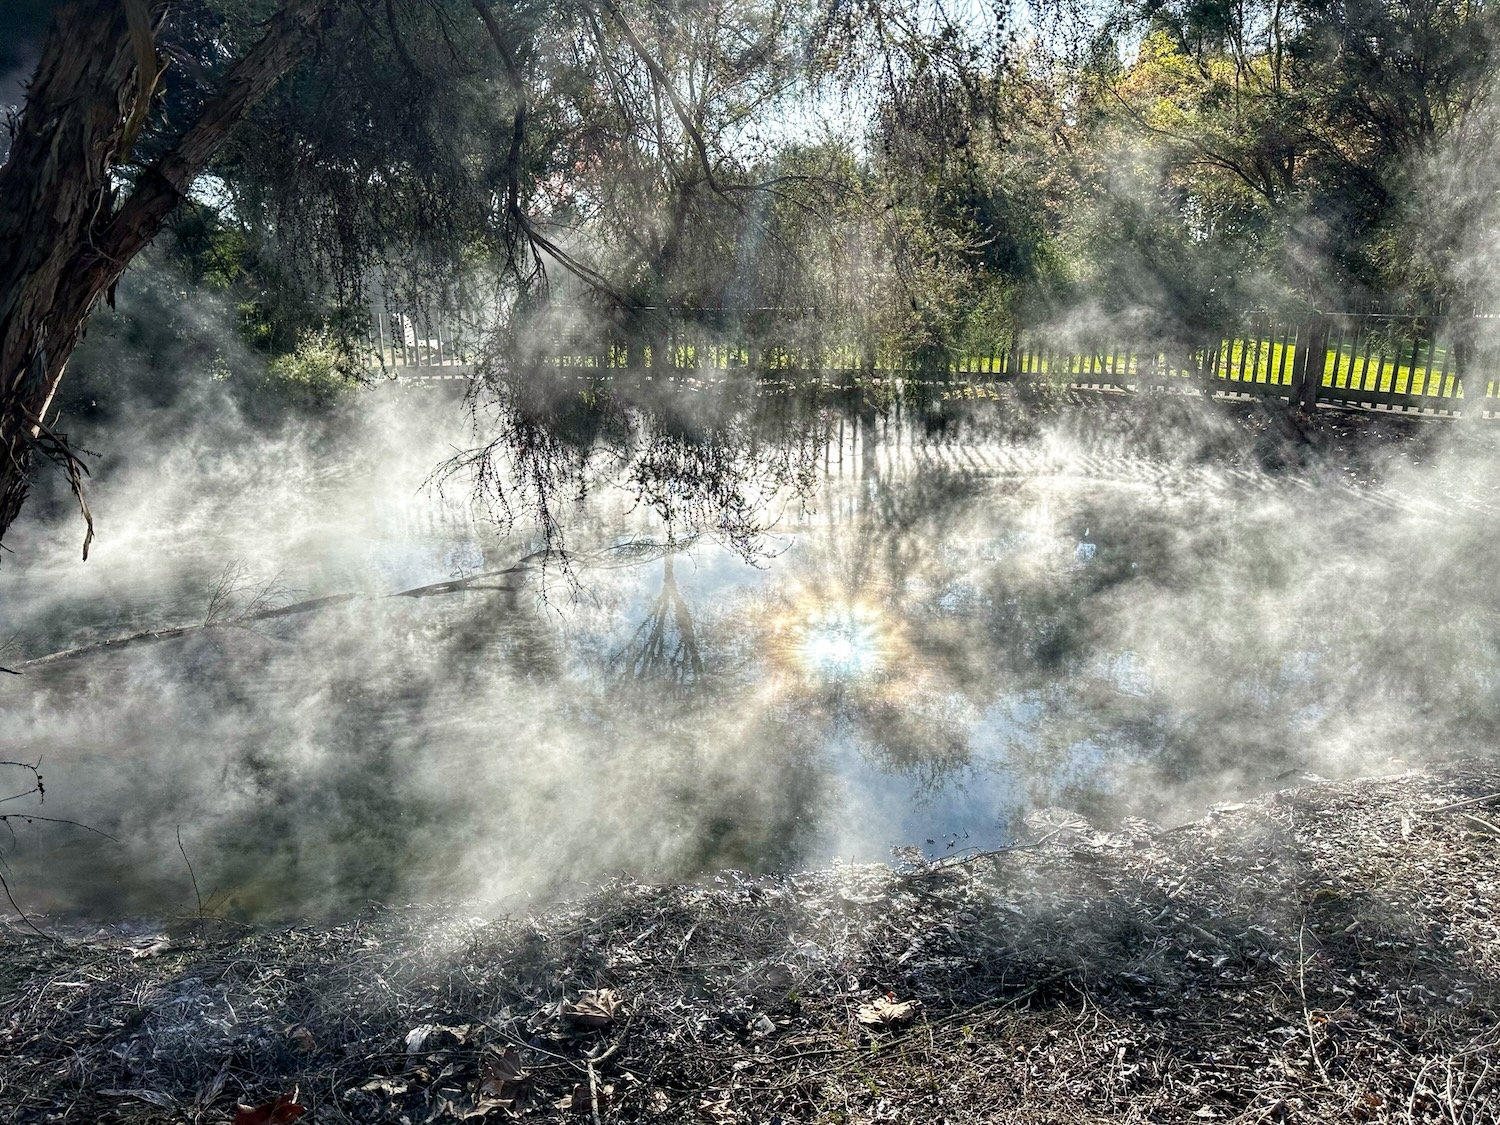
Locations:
{"points": [[1326, 953]]}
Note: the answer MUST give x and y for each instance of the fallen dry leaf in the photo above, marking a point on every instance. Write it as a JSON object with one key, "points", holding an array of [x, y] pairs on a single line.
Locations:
{"points": [[595, 1008], [716, 1111], [303, 1038], [437, 1037], [283, 1111], [501, 1079], [887, 1011], [388, 1087], [657, 1102]]}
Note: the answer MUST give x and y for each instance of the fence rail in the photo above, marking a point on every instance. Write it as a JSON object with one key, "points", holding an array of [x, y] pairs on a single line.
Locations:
{"points": [[1432, 363]]}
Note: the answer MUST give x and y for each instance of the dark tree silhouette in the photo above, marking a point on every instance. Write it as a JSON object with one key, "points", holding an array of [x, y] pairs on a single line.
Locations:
{"points": [[67, 232]]}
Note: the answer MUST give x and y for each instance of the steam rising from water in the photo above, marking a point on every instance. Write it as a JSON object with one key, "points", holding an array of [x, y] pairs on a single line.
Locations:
{"points": [[972, 616]]}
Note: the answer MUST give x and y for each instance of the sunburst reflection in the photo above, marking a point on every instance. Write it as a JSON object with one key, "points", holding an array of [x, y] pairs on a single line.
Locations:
{"points": [[840, 643]]}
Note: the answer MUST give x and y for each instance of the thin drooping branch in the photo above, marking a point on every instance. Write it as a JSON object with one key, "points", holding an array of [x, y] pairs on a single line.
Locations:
{"points": [[516, 225]]}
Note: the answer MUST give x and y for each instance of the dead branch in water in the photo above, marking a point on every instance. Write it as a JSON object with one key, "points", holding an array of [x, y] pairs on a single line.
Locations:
{"points": [[231, 583]]}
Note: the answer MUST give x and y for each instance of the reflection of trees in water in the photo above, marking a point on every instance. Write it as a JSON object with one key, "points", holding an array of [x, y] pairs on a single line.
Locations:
{"points": [[1100, 634], [665, 646], [723, 752], [1182, 646], [895, 548], [428, 744], [958, 632], [726, 464]]}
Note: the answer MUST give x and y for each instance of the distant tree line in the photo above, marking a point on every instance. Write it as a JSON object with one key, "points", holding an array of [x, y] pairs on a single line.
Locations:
{"points": [[926, 172]]}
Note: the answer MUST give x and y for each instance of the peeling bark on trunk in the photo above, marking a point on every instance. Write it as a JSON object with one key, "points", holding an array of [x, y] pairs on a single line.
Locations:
{"points": [[65, 238]]}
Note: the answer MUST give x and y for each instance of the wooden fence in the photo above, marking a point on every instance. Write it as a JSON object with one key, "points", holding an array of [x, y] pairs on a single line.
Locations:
{"points": [[1391, 361], [1429, 363]]}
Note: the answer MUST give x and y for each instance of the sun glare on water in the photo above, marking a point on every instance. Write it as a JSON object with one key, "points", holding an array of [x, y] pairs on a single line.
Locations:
{"points": [[842, 643]]}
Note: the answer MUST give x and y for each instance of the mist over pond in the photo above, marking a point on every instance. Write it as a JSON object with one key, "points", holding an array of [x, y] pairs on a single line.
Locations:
{"points": [[789, 629]]}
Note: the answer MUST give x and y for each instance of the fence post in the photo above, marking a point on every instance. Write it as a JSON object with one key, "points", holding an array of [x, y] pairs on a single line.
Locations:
{"points": [[1472, 377], [1312, 359], [1208, 365]]}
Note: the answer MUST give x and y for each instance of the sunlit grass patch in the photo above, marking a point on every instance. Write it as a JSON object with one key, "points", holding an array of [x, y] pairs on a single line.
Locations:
{"points": [[1384, 370]]}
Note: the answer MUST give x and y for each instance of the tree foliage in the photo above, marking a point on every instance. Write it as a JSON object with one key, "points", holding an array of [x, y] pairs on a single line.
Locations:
{"points": [[419, 147], [922, 175]]}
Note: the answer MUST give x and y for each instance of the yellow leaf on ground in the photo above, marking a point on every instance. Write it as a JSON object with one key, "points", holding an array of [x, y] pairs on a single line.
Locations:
{"points": [[887, 1011]]}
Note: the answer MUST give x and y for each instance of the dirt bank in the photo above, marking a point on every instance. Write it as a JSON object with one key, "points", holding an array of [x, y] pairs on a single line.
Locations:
{"points": [[1328, 953]]}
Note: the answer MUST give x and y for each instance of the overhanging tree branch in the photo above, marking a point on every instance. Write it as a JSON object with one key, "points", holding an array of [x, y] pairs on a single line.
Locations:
{"points": [[164, 184], [664, 82], [63, 241]]}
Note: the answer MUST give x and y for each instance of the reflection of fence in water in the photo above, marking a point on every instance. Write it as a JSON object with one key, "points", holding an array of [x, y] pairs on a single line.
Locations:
{"points": [[1430, 363]]}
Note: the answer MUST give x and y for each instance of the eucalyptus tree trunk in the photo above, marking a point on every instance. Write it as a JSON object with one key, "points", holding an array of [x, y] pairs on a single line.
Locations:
{"points": [[67, 233]]}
